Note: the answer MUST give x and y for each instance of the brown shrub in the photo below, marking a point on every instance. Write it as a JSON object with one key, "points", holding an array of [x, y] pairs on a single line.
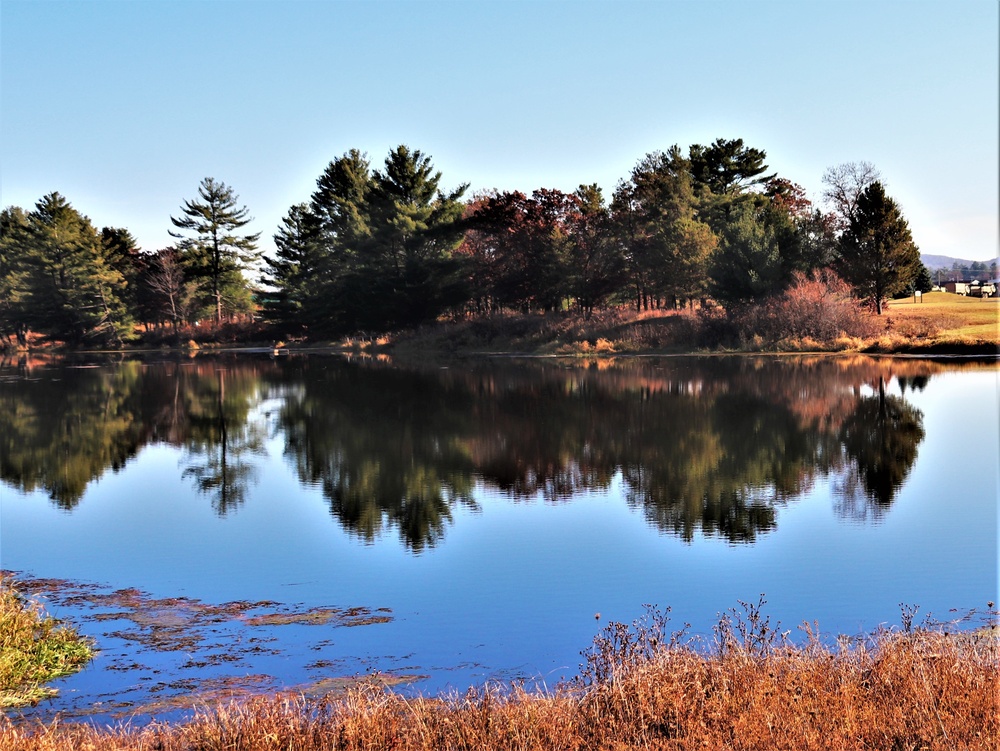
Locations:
{"points": [[813, 313]]}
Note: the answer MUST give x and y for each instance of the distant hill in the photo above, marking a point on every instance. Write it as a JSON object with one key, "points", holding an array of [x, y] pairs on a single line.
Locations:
{"points": [[932, 261]]}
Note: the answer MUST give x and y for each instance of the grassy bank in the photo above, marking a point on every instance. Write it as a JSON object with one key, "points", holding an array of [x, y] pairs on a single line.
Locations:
{"points": [[809, 321], [942, 324], [34, 649], [941, 320], [642, 687]]}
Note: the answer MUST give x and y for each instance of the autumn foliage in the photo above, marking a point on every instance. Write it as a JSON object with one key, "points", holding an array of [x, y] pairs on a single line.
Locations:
{"points": [[814, 312]]}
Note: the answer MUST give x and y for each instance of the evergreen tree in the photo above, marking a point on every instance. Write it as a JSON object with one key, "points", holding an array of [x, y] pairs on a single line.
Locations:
{"points": [[409, 267], [767, 229], [324, 243], [765, 226], [216, 252], [122, 252], [747, 265], [922, 281], [74, 290], [14, 273], [728, 167], [340, 205], [877, 255], [405, 204], [297, 272], [373, 250], [315, 274], [657, 216]]}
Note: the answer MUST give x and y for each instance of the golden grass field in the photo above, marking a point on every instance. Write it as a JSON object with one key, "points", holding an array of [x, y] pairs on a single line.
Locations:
{"points": [[943, 316]]}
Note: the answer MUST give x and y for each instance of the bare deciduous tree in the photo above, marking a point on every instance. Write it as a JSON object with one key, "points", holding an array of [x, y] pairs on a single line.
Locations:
{"points": [[173, 296], [844, 183]]}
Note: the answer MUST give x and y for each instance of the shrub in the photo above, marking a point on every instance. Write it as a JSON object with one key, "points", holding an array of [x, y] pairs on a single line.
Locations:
{"points": [[813, 313]]}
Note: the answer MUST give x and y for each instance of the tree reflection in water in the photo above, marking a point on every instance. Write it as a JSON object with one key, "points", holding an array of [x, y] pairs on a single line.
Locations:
{"points": [[221, 440], [384, 446], [59, 434], [710, 446], [880, 438]]}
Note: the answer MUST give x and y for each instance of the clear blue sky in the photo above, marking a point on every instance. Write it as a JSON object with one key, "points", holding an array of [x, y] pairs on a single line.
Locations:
{"points": [[123, 107]]}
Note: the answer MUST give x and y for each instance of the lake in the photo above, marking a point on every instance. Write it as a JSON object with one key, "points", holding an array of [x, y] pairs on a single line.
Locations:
{"points": [[224, 523]]}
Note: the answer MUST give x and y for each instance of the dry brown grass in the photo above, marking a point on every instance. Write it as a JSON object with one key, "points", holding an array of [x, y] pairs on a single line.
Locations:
{"points": [[813, 315], [946, 316], [642, 687], [609, 331]]}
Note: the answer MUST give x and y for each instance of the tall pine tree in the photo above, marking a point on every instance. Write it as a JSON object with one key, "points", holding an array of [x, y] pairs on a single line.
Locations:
{"points": [[371, 251], [75, 292], [877, 255], [215, 252], [296, 273], [658, 220], [14, 274]]}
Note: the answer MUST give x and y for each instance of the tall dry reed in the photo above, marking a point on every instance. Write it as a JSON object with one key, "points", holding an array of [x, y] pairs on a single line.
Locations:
{"points": [[748, 687]]}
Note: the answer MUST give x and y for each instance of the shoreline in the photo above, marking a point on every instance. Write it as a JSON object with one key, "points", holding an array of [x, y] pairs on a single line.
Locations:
{"points": [[643, 686], [940, 327]]}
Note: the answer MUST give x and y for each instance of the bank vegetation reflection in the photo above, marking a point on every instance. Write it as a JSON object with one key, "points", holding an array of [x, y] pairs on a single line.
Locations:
{"points": [[710, 446]]}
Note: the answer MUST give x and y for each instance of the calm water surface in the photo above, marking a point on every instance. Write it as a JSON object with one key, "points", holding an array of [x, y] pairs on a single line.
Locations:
{"points": [[225, 523]]}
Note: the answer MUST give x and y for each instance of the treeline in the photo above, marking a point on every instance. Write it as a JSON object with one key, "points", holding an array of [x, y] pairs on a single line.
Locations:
{"points": [[61, 277], [380, 249], [959, 272]]}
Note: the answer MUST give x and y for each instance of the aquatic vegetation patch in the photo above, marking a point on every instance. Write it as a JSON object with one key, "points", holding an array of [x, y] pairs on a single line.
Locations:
{"points": [[323, 616], [178, 653], [34, 648]]}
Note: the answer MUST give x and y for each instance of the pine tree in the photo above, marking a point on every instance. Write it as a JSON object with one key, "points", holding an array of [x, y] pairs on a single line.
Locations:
{"points": [[747, 265], [216, 253], [14, 274], [340, 205], [666, 243], [408, 272], [877, 255], [922, 281], [410, 216], [75, 292], [122, 252], [728, 167], [297, 273]]}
